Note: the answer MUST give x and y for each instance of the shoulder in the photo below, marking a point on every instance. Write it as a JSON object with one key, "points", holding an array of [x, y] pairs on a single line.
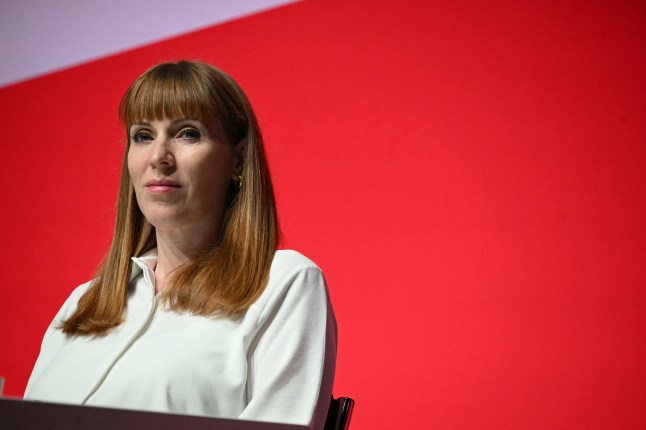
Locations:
{"points": [[291, 270], [72, 301], [288, 260], [53, 335], [293, 279]]}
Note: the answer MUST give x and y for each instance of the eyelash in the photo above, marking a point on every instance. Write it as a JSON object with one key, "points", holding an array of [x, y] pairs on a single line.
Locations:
{"points": [[182, 135], [143, 136]]}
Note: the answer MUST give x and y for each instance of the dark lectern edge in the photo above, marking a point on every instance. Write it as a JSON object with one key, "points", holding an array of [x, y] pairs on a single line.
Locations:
{"points": [[27, 414]]}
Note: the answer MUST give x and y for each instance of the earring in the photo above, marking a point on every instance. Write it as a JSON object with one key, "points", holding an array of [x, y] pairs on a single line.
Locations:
{"points": [[239, 181]]}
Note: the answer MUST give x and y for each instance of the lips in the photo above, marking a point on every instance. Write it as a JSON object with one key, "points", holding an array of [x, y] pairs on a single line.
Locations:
{"points": [[161, 186], [162, 183]]}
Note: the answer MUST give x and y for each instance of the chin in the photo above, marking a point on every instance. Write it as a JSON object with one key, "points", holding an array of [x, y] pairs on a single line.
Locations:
{"points": [[165, 219]]}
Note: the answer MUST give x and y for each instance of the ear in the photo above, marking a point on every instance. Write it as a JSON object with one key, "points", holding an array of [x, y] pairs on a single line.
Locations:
{"points": [[238, 162]]}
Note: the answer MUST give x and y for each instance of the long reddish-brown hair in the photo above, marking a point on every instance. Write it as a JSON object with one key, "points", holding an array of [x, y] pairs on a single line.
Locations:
{"points": [[231, 275]]}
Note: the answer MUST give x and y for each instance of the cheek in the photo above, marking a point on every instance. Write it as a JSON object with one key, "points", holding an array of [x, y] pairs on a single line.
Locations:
{"points": [[215, 168], [212, 177], [133, 164]]}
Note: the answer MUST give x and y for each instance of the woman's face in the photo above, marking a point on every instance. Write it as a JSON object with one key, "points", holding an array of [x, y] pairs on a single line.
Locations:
{"points": [[181, 171]]}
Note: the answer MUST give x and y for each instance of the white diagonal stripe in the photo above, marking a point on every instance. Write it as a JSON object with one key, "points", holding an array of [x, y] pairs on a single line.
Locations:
{"points": [[41, 36]]}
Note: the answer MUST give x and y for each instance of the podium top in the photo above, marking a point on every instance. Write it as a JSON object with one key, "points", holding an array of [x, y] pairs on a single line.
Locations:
{"points": [[25, 414]]}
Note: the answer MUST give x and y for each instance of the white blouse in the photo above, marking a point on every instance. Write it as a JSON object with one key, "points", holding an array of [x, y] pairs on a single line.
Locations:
{"points": [[275, 362]]}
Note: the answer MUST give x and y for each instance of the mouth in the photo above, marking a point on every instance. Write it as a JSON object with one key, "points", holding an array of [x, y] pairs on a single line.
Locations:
{"points": [[162, 183], [157, 186]]}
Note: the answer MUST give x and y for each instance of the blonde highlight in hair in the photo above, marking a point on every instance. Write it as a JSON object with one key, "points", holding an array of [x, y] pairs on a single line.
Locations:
{"points": [[230, 276]]}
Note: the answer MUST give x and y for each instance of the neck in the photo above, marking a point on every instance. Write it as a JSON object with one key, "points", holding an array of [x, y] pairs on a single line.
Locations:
{"points": [[177, 247]]}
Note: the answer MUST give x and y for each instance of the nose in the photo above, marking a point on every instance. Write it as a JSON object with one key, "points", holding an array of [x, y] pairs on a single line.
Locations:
{"points": [[161, 154]]}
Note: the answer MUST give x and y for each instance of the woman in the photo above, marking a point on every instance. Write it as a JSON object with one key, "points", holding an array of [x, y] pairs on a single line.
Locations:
{"points": [[193, 310]]}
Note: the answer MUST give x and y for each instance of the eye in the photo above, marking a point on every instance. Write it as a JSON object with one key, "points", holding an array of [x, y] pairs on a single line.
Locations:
{"points": [[142, 136], [188, 134]]}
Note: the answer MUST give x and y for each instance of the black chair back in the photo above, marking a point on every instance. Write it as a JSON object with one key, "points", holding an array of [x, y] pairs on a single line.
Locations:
{"points": [[339, 414]]}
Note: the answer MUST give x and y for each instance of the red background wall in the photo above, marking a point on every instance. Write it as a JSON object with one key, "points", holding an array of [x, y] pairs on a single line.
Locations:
{"points": [[470, 176]]}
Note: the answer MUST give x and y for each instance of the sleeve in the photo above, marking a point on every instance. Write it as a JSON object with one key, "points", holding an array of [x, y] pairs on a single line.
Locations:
{"points": [[54, 338], [293, 355]]}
